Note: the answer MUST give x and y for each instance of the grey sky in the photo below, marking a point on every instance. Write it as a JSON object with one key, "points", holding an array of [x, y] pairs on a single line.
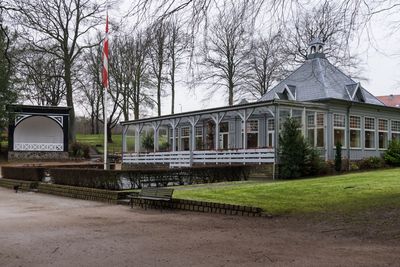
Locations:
{"points": [[378, 49]]}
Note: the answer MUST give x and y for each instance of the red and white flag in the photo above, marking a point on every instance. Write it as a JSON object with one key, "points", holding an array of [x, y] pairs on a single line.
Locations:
{"points": [[105, 57]]}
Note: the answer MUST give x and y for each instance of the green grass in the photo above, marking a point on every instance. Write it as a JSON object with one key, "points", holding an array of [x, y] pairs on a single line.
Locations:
{"points": [[97, 141], [338, 194]]}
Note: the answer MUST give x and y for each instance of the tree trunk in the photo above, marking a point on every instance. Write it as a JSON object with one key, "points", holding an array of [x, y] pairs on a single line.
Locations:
{"points": [[173, 86], [159, 97], [92, 124], [70, 102], [109, 134]]}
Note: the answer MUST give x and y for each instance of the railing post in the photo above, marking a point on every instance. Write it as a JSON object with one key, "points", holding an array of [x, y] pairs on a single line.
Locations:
{"points": [[217, 118], [156, 126], [138, 130], [174, 123]]}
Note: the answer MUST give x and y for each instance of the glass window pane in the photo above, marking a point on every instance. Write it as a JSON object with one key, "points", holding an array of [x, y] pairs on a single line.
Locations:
{"points": [[369, 139], [338, 137], [320, 137], [369, 123], [320, 119], [339, 120], [252, 140], [355, 138], [270, 139], [297, 115], [199, 131], [185, 132], [383, 125], [311, 137], [396, 136], [271, 124], [355, 122], [383, 140], [252, 126], [311, 120], [224, 127], [396, 126]]}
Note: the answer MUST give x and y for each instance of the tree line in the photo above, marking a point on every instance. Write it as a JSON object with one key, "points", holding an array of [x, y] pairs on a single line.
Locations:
{"points": [[50, 51]]}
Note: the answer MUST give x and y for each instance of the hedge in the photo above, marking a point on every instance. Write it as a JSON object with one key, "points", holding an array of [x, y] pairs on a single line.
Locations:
{"points": [[112, 179], [23, 173]]}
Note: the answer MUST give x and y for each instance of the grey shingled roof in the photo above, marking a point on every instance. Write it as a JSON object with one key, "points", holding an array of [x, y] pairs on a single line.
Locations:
{"points": [[318, 79]]}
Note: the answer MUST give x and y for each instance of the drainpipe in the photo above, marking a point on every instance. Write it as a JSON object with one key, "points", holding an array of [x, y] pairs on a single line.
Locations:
{"points": [[348, 135]]}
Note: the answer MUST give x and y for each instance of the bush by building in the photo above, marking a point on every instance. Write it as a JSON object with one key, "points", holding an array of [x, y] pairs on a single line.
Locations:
{"points": [[392, 154]]}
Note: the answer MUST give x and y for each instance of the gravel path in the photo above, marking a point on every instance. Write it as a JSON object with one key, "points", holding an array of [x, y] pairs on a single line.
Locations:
{"points": [[43, 230]]}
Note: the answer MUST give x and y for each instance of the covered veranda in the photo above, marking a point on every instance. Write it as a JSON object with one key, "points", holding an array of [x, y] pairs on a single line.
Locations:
{"points": [[240, 134]]}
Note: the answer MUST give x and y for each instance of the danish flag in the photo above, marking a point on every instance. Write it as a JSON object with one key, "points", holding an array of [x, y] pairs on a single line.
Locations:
{"points": [[105, 58]]}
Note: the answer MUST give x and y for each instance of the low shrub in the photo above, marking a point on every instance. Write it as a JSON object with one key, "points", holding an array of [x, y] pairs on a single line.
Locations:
{"points": [[93, 178], [138, 178], [148, 142], [371, 163], [79, 150], [392, 154], [23, 173]]}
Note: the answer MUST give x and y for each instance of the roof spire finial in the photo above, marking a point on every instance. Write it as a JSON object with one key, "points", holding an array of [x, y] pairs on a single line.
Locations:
{"points": [[316, 49]]}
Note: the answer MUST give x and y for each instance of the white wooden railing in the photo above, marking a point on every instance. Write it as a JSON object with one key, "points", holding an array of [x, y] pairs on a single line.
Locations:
{"points": [[38, 147], [188, 158]]}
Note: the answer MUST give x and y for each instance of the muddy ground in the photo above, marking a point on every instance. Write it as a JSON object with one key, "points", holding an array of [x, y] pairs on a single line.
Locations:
{"points": [[44, 230]]}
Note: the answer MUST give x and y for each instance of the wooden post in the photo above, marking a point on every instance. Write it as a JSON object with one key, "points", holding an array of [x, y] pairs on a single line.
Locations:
{"points": [[156, 127], [174, 123], [138, 130], [217, 118], [245, 115], [193, 122]]}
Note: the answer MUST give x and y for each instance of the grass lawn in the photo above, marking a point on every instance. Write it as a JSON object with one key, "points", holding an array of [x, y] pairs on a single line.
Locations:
{"points": [[97, 140], [338, 194]]}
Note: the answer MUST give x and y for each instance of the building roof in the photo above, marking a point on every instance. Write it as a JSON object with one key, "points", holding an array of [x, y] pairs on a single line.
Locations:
{"points": [[318, 79], [38, 109], [390, 100]]}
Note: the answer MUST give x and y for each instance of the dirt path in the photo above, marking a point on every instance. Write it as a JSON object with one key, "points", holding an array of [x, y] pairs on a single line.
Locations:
{"points": [[42, 230]]}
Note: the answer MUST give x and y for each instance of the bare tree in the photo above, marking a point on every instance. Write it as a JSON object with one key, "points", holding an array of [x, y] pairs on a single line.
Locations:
{"points": [[176, 47], [141, 97], [332, 25], [60, 25], [226, 49], [90, 85], [129, 70], [42, 78], [158, 58], [121, 65], [265, 64]]}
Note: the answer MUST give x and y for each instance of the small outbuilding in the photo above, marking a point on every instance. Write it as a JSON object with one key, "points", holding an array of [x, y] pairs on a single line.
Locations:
{"points": [[38, 132]]}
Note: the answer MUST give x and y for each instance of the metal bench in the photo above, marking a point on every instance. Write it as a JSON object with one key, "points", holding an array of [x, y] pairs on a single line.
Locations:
{"points": [[156, 194]]}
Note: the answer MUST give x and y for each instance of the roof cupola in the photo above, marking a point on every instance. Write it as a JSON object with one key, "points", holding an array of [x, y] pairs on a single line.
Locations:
{"points": [[316, 49]]}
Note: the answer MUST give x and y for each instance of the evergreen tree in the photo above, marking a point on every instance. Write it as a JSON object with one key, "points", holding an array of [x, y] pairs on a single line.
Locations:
{"points": [[7, 96], [392, 155], [338, 157], [293, 150]]}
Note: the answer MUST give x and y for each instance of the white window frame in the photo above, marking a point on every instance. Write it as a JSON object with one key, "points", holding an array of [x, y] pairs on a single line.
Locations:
{"points": [[392, 129], [339, 128], [370, 130], [221, 134], [355, 129], [385, 132], [249, 131], [271, 132]]}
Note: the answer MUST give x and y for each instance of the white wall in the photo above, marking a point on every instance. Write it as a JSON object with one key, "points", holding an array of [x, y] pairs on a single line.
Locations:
{"points": [[38, 129]]}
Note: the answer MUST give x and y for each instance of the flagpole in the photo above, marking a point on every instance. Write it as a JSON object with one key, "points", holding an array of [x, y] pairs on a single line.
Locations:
{"points": [[105, 128], [106, 88]]}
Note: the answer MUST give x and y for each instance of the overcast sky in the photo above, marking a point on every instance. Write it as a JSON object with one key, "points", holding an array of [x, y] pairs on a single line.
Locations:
{"points": [[378, 50]]}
